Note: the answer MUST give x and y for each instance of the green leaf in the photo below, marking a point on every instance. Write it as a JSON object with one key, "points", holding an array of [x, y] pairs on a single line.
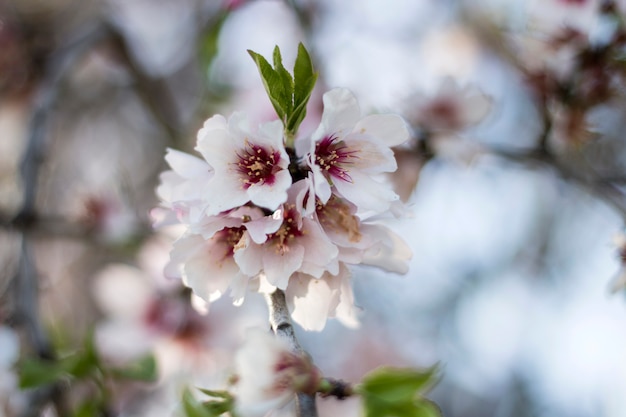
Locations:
{"points": [[192, 407], [289, 95], [285, 92], [218, 394], [36, 372], [272, 83], [89, 408], [304, 77], [144, 369], [395, 392]]}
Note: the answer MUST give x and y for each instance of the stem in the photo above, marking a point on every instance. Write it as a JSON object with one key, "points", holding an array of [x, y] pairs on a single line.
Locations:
{"points": [[282, 328]]}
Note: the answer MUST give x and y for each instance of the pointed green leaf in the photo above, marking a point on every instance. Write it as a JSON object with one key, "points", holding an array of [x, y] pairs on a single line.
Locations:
{"points": [[393, 392], [272, 83], [286, 92], [304, 76]]}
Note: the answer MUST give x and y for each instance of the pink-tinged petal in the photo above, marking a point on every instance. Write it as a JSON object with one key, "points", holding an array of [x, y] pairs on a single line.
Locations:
{"points": [[341, 113], [309, 301], [322, 187], [260, 228], [207, 273], [391, 253], [390, 129], [279, 266], [321, 253], [366, 193], [187, 166], [249, 256], [271, 196], [372, 156]]}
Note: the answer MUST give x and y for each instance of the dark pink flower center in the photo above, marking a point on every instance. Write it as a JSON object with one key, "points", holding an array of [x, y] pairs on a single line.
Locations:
{"points": [[229, 237], [334, 158], [257, 164], [288, 231]]}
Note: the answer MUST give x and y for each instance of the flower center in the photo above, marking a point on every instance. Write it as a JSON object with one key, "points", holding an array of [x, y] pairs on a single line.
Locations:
{"points": [[257, 164], [288, 230], [336, 215], [333, 157], [229, 237]]}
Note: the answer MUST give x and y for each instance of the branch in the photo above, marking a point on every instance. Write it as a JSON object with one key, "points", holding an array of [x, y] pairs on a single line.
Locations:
{"points": [[282, 328]]}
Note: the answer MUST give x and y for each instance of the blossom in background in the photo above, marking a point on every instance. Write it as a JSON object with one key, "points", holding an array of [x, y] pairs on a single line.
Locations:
{"points": [[450, 109], [259, 217], [347, 152], [268, 374]]}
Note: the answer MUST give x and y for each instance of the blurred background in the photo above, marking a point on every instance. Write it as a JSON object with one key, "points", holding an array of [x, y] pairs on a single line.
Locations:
{"points": [[514, 181]]}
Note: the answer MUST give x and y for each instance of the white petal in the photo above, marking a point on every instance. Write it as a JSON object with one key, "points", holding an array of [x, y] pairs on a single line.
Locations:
{"points": [[185, 165], [278, 267], [366, 193], [308, 300], [372, 155], [391, 253], [341, 112], [390, 129]]}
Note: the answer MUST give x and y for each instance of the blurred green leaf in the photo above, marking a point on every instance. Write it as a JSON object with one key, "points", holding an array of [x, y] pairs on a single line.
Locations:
{"points": [[144, 369], [89, 408], [212, 408], [36, 372], [395, 392]]}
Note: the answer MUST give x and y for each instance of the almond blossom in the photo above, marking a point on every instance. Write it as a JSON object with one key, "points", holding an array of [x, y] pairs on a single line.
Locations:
{"points": [[346, 153], [268, 374], [249, 165], [259, 216]]}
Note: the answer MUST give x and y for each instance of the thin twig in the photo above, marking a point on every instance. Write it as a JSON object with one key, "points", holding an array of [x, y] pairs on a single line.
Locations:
{"points": [[282, 327]]}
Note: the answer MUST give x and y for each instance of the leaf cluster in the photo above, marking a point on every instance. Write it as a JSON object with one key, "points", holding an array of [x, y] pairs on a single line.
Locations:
{"points": [[288, 94]]}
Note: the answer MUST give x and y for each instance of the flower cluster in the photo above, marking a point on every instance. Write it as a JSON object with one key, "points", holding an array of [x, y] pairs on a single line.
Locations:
{"points": [[262, 215]]}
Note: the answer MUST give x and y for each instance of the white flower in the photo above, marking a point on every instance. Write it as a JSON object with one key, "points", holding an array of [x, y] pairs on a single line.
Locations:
{"points": [[204, 256], [347, 152], [249, 165], [268, 374], [299, 245]]}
